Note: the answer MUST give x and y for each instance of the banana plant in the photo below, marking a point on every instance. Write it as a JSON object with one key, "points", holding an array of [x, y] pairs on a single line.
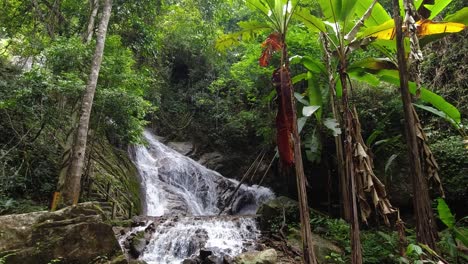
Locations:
{"points": [[277, 15]]}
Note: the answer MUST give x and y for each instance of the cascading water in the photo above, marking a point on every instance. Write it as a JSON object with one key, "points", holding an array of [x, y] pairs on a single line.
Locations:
{"points": [[175, 185]]}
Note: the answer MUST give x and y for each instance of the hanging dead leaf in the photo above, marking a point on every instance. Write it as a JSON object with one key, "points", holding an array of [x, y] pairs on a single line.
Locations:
{"points": [[284, 118]]}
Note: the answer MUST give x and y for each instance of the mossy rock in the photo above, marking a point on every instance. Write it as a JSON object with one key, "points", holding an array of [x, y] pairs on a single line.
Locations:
{"points": [[272, 212], [322, 246]]}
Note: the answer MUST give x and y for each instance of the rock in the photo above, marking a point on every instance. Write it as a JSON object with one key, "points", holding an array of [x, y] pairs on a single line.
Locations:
{"points": [[137, 262], [121, 259], [322, 246], [275, 208], [184, 148], [228, 259], [268, 256], [74, 234], [189, 261], [212, 259], [137, 244], [205, 252], [212, 160]]}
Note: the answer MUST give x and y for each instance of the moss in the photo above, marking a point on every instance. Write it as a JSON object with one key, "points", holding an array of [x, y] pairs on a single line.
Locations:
{"points": [[112, 166]]}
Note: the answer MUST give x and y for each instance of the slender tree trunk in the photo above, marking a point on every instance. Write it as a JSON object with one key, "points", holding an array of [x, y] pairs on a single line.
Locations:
{"points": [[425, 225], [356, 249], [88, 34], [306, 232], [71, 188], [346, 212]]}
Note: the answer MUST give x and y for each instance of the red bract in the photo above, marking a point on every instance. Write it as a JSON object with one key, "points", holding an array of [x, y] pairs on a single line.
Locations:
{"points": [[271, 44]]}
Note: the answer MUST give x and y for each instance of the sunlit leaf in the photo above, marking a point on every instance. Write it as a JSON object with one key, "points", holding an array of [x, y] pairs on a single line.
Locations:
{"points": [[299, 97], [383, 30], [309, 110], [427, 27], [374, 64], [248, 30], [378, 16], [461, 16], [333, 125], [437, 7], [444, 213], [337, 10]]}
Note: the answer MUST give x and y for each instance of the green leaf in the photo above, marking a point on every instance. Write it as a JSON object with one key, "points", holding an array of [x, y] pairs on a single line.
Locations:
{"points": [[300, 123], [381, 28], [437, 7], [311, 64], [315, 94], [391, 76], [337, 10], [312, 22], [389, 162], [313, 147], [299, 77], [374, 64], [461, 16], [301, 99], [460, 236], [249, 29], [412, 248], [438, 113], [445, 214], [378, 16]]}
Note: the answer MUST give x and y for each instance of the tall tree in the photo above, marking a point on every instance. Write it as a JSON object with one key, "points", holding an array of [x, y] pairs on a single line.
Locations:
{"points": [[70, 188]]}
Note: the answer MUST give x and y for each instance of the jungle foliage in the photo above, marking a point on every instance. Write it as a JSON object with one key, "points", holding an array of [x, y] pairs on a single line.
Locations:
{"points": [[161, 70]]}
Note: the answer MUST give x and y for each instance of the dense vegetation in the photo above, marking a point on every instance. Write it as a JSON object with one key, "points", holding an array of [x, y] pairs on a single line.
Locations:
{"points": [[161, 69]]}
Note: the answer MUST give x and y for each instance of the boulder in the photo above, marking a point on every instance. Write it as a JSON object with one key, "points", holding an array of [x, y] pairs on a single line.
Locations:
{"points": [[322, 246], [274, 209], [212, 160], [268, 256], [184, 148], [137, 244], [75, 234]]}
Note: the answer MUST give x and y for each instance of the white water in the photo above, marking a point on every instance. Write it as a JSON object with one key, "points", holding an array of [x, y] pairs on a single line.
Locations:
{"points": [[174, 184]]}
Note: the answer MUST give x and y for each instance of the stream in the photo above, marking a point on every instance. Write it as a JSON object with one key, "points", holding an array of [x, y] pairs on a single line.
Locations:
{"points": [[190, 196]]}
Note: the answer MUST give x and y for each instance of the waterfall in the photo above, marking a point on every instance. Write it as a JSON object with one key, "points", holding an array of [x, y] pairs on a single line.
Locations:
{"points": [[175, 185]]}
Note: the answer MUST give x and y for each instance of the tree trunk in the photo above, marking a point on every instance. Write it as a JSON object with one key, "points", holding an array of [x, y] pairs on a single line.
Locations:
{"points": [[345, 204], [88, 34], [425, 225], [306, 232], [71, 187], [351, 207]]}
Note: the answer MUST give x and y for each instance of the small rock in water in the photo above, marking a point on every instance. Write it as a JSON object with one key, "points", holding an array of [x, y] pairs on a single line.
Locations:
{"points": [[205, 252], [268, 256], [212, 260], [189, 261], [227, 259]]}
